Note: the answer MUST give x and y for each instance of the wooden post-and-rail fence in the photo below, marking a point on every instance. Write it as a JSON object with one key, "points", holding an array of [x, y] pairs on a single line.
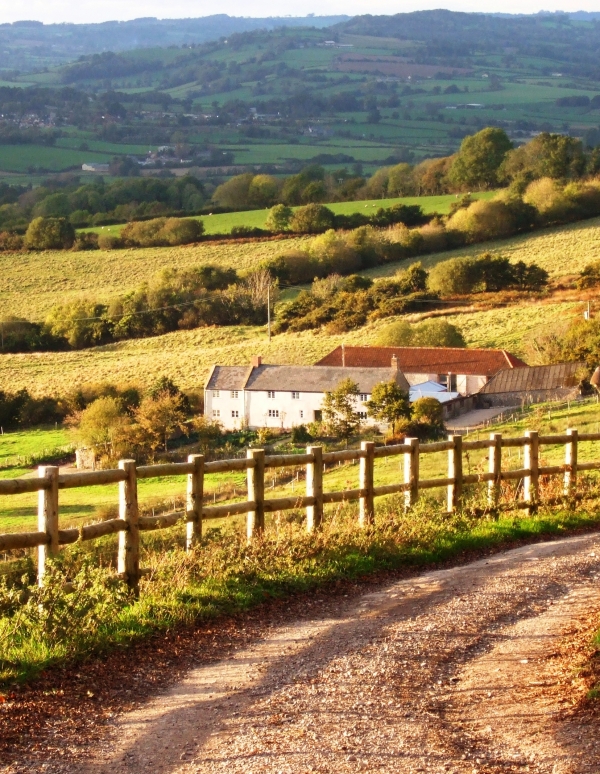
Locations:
{"points": [[129, 524]]}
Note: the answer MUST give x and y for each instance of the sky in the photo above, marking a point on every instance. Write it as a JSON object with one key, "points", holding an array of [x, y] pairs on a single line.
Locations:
{"points": [[56, 11]]}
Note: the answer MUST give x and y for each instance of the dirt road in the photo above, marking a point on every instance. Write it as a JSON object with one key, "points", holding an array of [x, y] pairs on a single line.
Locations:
{"points": [[453, 671]]}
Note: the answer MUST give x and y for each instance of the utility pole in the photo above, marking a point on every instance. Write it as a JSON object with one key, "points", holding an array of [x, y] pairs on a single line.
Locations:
{"points": [[269, 311]]}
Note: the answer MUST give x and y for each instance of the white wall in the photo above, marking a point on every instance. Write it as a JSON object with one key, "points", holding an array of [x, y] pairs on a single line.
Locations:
{"points": [[254, 407], [225, 405]]}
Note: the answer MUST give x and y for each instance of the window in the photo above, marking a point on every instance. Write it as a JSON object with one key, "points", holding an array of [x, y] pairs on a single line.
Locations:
{"points": [[362, 414], [363, 397], [235, 414], [270, 393], [273, 412], [215, 393], [295, 396], [234, 394], [302, 415], [216, 413]]}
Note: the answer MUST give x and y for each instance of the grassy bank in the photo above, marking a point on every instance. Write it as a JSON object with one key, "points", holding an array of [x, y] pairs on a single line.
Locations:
{"points": [[224, 576]]}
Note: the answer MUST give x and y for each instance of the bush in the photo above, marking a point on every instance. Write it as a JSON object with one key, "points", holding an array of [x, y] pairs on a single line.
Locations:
{"points": [[110, 242], [86, 241], [590, 276], [453, 277], [312, 219], [10, 241], [300, 435], [162, 232], [50, 234], [430, 333]]}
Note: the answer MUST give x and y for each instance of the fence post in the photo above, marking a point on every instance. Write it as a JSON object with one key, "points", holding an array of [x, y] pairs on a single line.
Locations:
{"points": [[314, 488], [531, 482], [571, 463], [48, 517], [195, 496], [495, 468], [455, 472], [366, 477], [411, 471], [129, 540], [255, 522]]}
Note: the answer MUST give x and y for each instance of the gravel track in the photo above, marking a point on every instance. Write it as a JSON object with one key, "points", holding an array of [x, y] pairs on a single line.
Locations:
{"points": [[455, 670]]}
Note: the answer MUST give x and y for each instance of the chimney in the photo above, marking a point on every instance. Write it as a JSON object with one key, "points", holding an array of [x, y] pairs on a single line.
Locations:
{"points": [[256, 361], [394, 363], [343, 355]]}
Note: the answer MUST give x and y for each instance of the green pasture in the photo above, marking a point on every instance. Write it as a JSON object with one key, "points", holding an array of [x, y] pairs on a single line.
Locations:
{"points": [[223, 223], [21, 158]]}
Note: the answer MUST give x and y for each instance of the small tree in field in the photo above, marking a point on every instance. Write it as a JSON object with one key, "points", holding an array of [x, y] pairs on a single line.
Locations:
{"points": [[104, 427], [389, 403], [50, 234], [279, 217], [339, 409]]}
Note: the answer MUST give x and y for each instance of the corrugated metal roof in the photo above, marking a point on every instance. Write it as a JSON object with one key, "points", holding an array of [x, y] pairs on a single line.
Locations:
{"points": [[319, 379], [437, 360], [550, 377]]}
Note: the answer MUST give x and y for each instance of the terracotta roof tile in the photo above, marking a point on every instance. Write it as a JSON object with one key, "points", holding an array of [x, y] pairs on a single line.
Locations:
{"points": [[441, 360]]}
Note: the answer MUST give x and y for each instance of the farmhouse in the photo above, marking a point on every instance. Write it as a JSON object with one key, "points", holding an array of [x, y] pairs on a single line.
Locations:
{"points": [[460, 370], [281, 396]]}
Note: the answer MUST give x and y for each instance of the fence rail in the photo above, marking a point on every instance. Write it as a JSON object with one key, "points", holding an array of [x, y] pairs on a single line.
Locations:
{"points": [[49, 537]]}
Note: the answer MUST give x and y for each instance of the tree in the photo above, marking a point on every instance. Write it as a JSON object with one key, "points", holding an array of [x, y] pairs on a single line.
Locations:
{"points": [[389, 403], [102, 426], [438, 333], [159, 417], [235, 192], [401, 181], [339, 409], [427, 414], [263, 190], [278, 218], [396, 334], [547, 155], [312, 219], [50, 234], [480, 156]]}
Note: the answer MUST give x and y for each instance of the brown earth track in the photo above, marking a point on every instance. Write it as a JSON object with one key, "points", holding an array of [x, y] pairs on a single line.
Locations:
{"points": [[468, 669]]}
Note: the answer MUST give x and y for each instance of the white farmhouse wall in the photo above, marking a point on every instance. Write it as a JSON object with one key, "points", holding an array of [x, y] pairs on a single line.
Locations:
{"points": [[225, 408], [253, 407]]}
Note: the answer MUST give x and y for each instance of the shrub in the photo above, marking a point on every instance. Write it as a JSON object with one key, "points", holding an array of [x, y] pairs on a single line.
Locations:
{"points": [[312, 219], [110, 242], [86, 241], [396, 334], [590, 276], [10, 241], [483, 220], [300, 435], [453, 277], [438, 333], [49, 234]]}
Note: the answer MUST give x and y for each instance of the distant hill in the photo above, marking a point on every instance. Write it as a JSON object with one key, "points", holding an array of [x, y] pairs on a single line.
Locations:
{"points": [[29, 45]]}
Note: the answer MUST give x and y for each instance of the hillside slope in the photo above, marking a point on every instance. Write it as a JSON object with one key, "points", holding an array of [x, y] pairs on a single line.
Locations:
{"points": [[186, 356]]}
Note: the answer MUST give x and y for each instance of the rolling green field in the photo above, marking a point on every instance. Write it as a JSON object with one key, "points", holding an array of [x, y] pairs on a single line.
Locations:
{"points": [[24, 158], [222, 223]]}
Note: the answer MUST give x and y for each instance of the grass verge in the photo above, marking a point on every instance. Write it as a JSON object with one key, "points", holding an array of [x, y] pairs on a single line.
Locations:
{"points": [[224, 575]]}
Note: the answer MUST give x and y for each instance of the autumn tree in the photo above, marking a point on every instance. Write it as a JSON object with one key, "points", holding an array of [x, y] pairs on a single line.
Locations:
{"points": [[389, 403], [160, 417], [339, 409]]}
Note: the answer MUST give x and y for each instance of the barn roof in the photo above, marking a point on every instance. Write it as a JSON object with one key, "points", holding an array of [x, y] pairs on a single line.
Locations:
{"points": [[548, 377], [438, 360]]}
